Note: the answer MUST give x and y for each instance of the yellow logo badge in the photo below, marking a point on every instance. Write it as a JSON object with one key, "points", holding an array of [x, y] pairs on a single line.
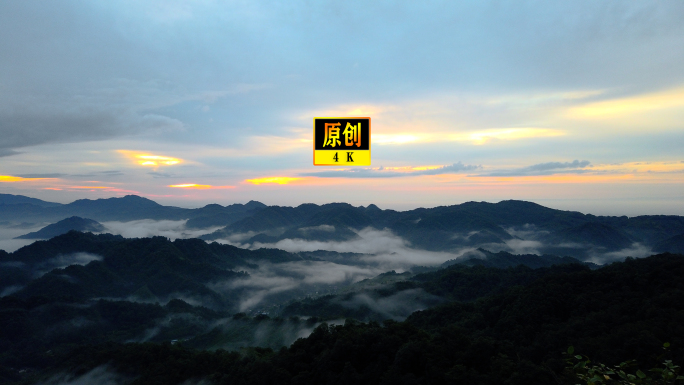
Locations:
{"points": [[342, 142]]}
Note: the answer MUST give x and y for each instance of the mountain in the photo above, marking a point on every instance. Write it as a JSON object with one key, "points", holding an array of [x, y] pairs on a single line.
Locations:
{"points": [[502, 226], [127, 208], [130, 207], [64, 226], [216, 215], [502, 260], [493, 226], [671, 245], [307, 221], [9, 199], [593, 234], [93, 266]]}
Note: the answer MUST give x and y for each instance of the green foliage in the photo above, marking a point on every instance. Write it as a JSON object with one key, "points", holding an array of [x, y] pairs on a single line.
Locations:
{"points": [[623, 373]]}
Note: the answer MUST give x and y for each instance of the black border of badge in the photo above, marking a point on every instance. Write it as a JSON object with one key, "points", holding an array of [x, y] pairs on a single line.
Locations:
{"points": [[343, 120]]}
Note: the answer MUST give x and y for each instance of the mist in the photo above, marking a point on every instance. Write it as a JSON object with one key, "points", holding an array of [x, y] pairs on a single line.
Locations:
{"points": [[275, 283], [636, 250], [376, 252], [101, 375], [145, 228], [398, 306], [62, 261], [133, 229], [264, 332], [382, 248], [10, 230]]}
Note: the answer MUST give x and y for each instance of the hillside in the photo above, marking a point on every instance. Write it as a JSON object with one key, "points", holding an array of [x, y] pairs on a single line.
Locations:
{"points": [[516, 336], [147, 269]]}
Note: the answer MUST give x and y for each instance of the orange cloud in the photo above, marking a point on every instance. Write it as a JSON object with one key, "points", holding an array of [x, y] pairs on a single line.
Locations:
{"points": [[151, 160], [643, 167], [10, 178], [199, 186], [273, 179]]}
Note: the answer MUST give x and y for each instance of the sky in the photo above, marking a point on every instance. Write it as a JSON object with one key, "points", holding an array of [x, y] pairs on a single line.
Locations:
{"points": [[574, 105]]}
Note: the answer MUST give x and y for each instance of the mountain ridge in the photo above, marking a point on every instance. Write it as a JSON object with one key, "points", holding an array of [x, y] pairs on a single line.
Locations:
{"points": [[494, 226]]}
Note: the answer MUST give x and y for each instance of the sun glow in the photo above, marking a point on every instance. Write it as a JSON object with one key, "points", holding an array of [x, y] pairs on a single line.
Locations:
{"points": [[274, 179], [10, 178], [151, 160], [199, 186], [630, 105], [397, 138], [483, 137]]}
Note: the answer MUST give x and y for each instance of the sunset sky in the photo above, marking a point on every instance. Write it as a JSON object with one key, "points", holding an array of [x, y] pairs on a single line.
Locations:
{"points": [[575, 105]]}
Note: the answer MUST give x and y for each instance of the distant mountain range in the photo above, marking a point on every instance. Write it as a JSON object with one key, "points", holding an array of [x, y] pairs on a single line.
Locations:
{"points": [[128, 208], [511, 226], [506, 225]]}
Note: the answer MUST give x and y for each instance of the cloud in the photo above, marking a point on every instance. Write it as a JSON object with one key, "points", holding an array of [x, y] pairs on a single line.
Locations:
{"points": [[305, 277], [549, 168], [161, 174], [398, 306], [98, 174], [370, 241], [41, 176], [374, 252], [326, 228], [520, 246], [68, 121], [145, 159], [526, 231], [558, 165], [456, 168], [636, 250], [9, 231], [375, 248], [10, 245], [271, 284], [64, 260], [148, 228], [630, 106], [486, 136], [8, 152], [474, 137]]}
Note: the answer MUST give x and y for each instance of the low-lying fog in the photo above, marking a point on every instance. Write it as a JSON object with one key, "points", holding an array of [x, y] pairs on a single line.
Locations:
{"points": [[269, 287]]}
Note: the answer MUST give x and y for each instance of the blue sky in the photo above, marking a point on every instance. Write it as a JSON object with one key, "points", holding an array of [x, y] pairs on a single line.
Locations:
{"points": [[575, 105]]}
